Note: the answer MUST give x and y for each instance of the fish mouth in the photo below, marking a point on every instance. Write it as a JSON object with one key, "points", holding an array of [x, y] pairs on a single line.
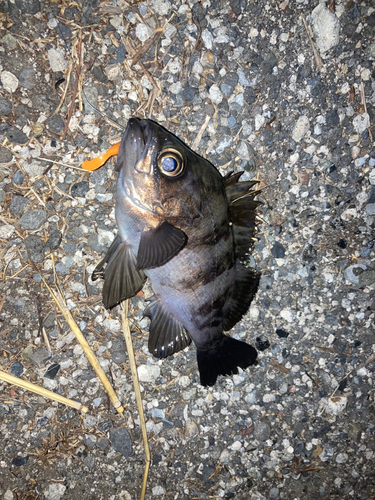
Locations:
{"points": [[141, 137]]}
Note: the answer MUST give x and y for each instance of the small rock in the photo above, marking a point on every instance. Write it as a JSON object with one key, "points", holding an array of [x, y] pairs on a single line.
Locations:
{"points": [[361, 123], [16, 369], [191, 430], [158, 490], [341, 458], [18, 204], [52, 371], [13, 134], [54, 491], [352, 273], [6, 231], [148, 373], [40, 356], [80, 189], [5, 155], [121, 441], [274, 492], [54, 241], [31, 7], [327, 453], [207, 39], [143, 32], [33, 219], [262, 431], [57, 60], [8, 495], [19, 461], [282, 333], [326, 28], [9, 81], [99, 75], [49, 321], [5, 106], [161, 7], [18, 178], [56, 124], [215, 94], [9, 42], [301, 127], [278, 251], [27, 78]]}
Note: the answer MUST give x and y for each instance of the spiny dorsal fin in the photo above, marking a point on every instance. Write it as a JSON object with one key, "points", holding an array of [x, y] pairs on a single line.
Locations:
{"points": [[242, 209]]}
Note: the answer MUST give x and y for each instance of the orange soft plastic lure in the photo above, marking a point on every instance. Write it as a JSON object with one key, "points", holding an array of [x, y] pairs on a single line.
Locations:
{"points": [[99, 161]]}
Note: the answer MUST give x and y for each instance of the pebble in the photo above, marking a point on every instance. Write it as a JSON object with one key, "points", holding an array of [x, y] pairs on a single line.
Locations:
{"points": [[79, 189], [215, 94], [148, 373], [301, 127], [18, 178], [52, 371], [274, 493], [121, 441], [143, 32], [158, 490], [8, 495], [161, 7], [27, 78], [54, 491], [326, 28], [361, 122], [278, 251], [28, 6], [13, 134], [262, 430], [56, 124], [9, 42], [352, 273], [207, 39], [40, 356], [5, 106], [9, 81], [327, 453], [33, 219], [57, 60], [6, 231], [6, 156], [18, 204], [16, 369]]}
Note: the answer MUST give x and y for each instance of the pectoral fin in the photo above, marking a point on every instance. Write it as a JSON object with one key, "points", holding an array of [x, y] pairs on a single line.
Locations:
{"points": [[167, 335], [121, 278], [159, 245]]}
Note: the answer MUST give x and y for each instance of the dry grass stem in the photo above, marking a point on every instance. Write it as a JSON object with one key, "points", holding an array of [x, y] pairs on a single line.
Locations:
{"points": [[10, 379], [58, 298], [138, 397]]}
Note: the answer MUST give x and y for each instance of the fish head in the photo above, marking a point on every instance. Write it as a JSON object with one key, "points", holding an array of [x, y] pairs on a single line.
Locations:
{"points": [[156, 172]]}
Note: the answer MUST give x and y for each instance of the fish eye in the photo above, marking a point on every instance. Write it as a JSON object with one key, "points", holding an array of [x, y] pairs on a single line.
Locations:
{"points": [[171, 162]]}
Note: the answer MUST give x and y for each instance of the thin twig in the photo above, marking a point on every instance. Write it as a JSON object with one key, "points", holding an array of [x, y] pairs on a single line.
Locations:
{"points": [[138, 397], [198, 139]]}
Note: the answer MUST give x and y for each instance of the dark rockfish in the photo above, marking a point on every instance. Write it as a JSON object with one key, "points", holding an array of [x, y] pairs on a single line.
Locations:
{"points": [[186, 228]]}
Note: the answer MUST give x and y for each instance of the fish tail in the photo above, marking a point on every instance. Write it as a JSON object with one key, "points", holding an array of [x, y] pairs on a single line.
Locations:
{"points": [[224, 359]]}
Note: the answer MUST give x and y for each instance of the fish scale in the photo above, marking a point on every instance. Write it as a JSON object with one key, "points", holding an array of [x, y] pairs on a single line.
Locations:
{"points": [[186, 228]]}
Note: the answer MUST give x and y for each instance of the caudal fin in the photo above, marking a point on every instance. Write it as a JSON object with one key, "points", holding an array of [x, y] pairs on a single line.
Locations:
{"points": [[224, 359]]}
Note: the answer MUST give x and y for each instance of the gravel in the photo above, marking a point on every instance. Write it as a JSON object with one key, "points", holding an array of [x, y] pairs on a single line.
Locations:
{"points": [[300, 423]]}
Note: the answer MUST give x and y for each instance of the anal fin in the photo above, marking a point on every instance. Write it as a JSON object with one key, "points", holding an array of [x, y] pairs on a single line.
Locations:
{"points": [[167, 335], [122, 279]]}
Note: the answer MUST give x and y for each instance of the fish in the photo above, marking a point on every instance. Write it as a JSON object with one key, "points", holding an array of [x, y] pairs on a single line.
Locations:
{"points": [[188, 230]]}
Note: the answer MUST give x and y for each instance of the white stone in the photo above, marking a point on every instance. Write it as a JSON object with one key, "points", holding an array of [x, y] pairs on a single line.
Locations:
{"points": [[113, 325], [148, 373], [301, 127], [6, 231], [8, 495], [143, 32], [158, 490], [54, 491], [161, 7], [326, 28], [207, 39], [362, 372], [288, 315], [57, 60], [361, 123], [215, 94], [236, 446], [105, 237], [9, 81]]}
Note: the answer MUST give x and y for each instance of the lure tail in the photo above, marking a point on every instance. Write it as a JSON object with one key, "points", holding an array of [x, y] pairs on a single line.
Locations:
{"points": [[224, 359]]}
